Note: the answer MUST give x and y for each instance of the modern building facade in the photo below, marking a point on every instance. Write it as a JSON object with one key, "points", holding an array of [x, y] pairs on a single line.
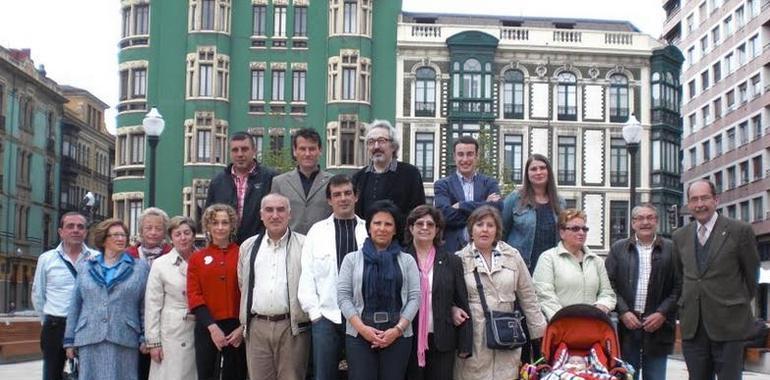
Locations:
{"points": [[214, 67], [31, 107], [560, 87], [725, 102], [87, 154]]}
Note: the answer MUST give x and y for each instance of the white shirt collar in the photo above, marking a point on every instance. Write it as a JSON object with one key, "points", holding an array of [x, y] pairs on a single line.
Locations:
{"points": [[710, 224]]}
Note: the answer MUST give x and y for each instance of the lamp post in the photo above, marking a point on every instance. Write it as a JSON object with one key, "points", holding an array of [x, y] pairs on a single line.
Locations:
{"points": [[153, 124], [632, 133]]}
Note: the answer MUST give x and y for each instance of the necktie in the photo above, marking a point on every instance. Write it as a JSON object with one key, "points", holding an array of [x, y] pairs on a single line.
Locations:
{"points": [[702, 235]]}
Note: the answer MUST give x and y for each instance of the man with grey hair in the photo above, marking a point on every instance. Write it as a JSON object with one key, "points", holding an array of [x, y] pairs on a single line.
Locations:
{"points": [[276, 330], [385, 177], [642, 273]]}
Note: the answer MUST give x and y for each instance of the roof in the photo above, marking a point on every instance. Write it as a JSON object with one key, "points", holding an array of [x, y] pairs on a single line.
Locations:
{"points": [[68, 90], [533, 22]]}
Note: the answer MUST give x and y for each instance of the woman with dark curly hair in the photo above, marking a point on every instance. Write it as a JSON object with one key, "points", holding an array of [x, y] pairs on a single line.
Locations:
{"points": [[214, 297]]}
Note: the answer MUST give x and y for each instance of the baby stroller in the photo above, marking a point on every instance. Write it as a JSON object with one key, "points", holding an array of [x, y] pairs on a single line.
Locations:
{"points": [[580, 342]]}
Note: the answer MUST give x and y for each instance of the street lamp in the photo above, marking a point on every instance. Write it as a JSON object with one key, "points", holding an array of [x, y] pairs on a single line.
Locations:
{"points": [[632, 133], [153, 124]]}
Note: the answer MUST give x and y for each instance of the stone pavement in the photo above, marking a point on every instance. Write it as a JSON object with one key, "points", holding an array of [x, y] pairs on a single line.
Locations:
{"points": [[33, 370]]}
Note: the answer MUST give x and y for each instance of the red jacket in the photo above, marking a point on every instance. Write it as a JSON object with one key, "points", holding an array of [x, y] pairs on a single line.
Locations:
{"points": [[212, 282]]}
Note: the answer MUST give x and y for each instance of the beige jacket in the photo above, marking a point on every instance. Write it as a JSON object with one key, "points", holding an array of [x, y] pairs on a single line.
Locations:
{"points": [[299, 319], [508, 282]]}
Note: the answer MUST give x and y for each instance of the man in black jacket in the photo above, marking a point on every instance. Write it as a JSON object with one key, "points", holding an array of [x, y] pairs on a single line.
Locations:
{"points": [[642, 273], [386, 177], [242, 185]]}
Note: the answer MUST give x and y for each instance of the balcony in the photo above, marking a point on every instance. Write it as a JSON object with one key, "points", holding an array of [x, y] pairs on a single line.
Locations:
{"points": [[471, 108], [69, 167]]}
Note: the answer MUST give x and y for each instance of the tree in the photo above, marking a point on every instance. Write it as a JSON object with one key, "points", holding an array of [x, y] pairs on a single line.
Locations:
{"points": [[279, 159]]}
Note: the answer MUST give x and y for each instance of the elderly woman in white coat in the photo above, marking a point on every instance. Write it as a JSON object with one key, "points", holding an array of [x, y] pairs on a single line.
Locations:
{"points": [[169, 328]]}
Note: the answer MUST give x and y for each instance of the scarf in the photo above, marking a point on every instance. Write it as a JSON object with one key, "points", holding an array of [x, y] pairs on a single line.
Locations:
{"points": [[380, 275], [151, 254], [425, 304]]}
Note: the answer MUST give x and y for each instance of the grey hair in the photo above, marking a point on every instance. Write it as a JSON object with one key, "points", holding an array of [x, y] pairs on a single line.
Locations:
{"points": [[384, 124], [154, 211], [649, 206], [275, 195]]}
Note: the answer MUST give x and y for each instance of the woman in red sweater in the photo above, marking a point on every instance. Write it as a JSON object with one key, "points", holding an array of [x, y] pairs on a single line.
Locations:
{"points": [[213, 296]]}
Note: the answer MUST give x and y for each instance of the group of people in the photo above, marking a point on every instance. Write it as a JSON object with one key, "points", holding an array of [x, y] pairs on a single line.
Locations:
{"points": [[306, 272]]}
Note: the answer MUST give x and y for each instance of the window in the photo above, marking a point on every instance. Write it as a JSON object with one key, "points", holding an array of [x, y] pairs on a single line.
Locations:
{"points": [[706, 149], [513, 94], [471, 87], [135, 25], [259, 16], [567, 152], [618, 98], [745, 216], [618, 163], [278, 80], [731, 178], [758, 209], [141, 19], [691, 56], [704, 45], [743, 94], [753, 8], [718, 181], [739, 21], [690, 23], [343, 73], [756, 86], [349, 83], [513, 156], [350, 17], [129, 149], [279, 21], [425, 93], [693, 157], [209, 15], [730, 100], [691, 88], [702, 15], [730, 139], [693, 124], [618, 220], [741, 54], [346, 142], [731, 211], [423, 151], [716, 70], [567, 96], [704, 80], [756, 165], [756, 126], [205, 139], [208, 74], [728, 25], [133, 82], [754, 48], [743, 132], [717, 104], [258, 84], [300, 21], [717, 145], [298, 86], [728, 64], [705, 113], [715, 35]]}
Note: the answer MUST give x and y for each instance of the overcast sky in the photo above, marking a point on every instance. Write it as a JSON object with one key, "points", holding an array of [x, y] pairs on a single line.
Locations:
{"points": [[77, 40]]}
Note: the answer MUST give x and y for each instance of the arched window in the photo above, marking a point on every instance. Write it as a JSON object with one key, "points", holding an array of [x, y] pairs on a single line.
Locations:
{"points": [[425, 92], [618, 98], [472, 79], [567, 96], [513, 94], [471, 87], [656, 92]]}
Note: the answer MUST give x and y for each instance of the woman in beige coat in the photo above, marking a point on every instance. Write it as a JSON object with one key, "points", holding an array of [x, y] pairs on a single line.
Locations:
{"points": [[505, 279], [168, 325]]}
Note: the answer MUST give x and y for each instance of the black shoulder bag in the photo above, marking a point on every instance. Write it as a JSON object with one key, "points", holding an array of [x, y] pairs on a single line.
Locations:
{"points": [[503, 329]]}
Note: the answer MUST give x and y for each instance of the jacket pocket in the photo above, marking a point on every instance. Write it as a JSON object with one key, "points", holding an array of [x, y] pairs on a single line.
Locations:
{"points": [[134, 325], [81, 324]]}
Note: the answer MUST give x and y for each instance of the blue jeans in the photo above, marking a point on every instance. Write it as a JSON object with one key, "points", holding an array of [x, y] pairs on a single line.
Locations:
{"points": [[366, 363], [651, 367], [328, 340]]}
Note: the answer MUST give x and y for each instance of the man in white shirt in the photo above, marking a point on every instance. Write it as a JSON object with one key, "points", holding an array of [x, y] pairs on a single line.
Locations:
{"points": [[321, 259], [53, 286], [276, 330]]}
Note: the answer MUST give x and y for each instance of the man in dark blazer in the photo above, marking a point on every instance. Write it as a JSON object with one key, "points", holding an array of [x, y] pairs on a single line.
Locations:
{"points": [[459, 193], [305, 186], [717, 260], [641, 271]]}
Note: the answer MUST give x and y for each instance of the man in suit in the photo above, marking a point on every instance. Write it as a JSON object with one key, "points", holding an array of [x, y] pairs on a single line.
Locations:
{"points": [[716, 258], [458, 194], [242, 185], [305, 186]]}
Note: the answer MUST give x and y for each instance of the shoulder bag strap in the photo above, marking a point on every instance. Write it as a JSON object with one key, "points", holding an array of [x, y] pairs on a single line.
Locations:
{"points": [[480, 289]]}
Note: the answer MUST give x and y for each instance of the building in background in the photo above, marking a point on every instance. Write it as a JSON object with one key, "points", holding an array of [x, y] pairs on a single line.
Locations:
{"points": [[725, 103], [31, 107], [214, 67], [560, 87], [87, 154]]}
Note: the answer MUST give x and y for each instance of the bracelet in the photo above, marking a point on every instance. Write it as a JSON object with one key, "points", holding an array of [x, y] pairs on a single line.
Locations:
{"points": [[401, 329]]}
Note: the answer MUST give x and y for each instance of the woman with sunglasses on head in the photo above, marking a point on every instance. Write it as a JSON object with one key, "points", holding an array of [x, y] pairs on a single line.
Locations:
{"points": [[570, 273], [442, 289]]}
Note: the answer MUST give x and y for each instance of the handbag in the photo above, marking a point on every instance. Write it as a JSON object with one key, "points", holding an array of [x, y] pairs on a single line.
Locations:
{"points": [[503, 329], [71, 369]]}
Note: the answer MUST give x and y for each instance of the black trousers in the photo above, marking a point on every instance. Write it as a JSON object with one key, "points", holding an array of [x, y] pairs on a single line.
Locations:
{"points": [[144, 366], [51, 340], [207, 357], [706, 358], [439, 365]]}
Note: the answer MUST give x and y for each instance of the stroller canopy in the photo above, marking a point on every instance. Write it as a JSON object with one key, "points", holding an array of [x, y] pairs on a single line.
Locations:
{"points": [[580, 327]]}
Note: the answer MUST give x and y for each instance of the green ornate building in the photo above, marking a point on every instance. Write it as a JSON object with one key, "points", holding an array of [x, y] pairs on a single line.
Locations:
{"points": [[214, 67]]}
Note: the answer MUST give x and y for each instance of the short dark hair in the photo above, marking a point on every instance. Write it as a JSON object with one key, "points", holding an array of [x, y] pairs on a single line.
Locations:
{"points": [[100, 231], [240, 136], [71, 213], [712, 187], [338, 180], [483, 212], [466, 140], [307, 134], [385, 205], [418, 213]]}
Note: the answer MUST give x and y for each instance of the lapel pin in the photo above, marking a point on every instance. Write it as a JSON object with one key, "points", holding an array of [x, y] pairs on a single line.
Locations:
{"points": [[207, 260]]}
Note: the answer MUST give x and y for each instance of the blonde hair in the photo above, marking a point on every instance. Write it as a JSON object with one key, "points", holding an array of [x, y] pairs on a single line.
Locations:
{"points": [[211, 212], [568, 214], [179, 221]]}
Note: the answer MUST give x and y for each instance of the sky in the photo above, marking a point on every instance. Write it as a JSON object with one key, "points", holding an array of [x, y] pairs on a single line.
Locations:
{"points": [[77, 40]]}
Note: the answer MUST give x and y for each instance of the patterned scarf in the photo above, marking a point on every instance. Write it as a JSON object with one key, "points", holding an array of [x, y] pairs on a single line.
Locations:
{"points": [[425, 304]]}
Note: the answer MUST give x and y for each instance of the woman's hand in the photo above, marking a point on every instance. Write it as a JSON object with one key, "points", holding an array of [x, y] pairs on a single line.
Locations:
{"points": [[236, 337], [217, 336], [459, 316], [72, 352], [387, 337], [371, 335], [143, 349], [156, 353]]}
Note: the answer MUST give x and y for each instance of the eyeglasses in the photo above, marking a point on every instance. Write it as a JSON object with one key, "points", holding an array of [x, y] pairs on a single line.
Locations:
{"points": [[117, 235], [380, 141], [575, 229], [425, 224]]}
